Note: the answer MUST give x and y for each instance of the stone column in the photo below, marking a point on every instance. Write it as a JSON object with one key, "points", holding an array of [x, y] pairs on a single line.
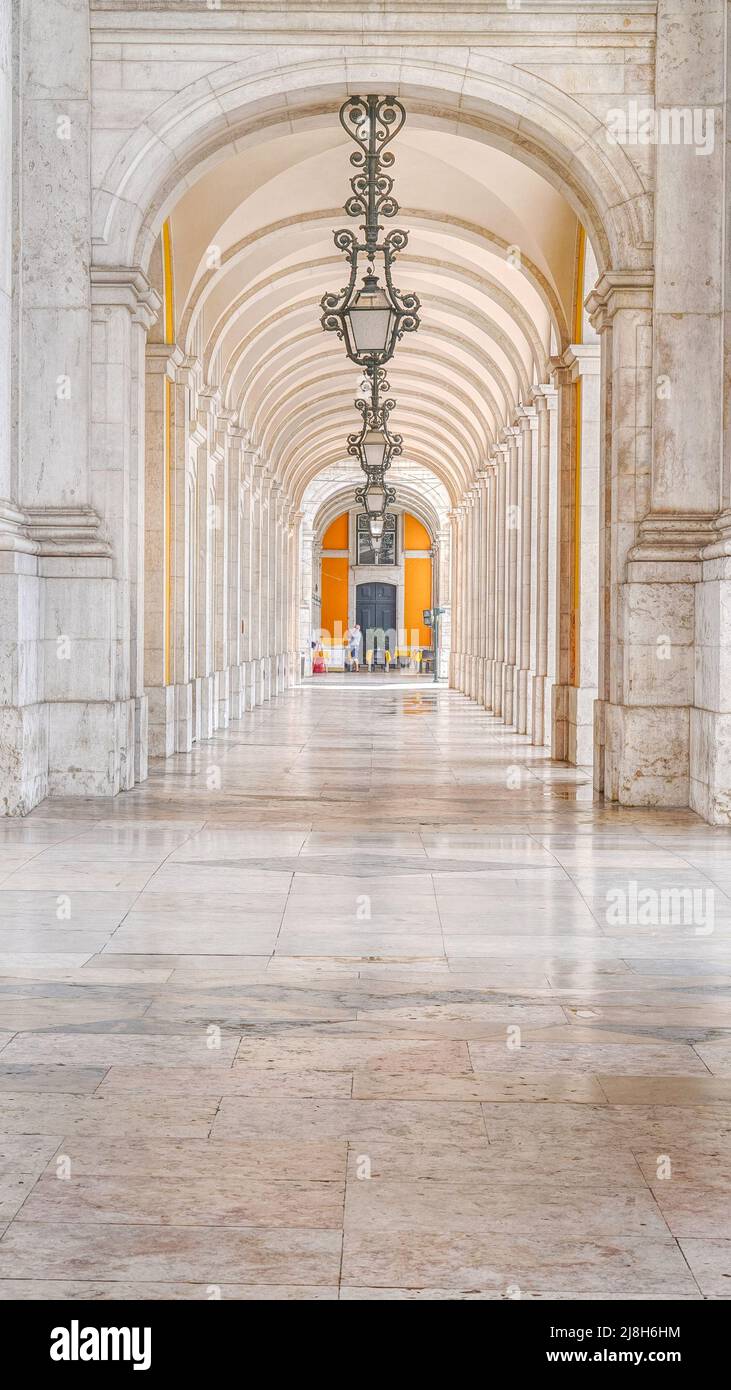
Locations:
{"points": [[237, 439], [49, 528], [501, 459], [206, 502], [264, 553], [661, 719], [247, 566], [472, 596], [482, 595], [162, 360], [466, 589], [257, 553], [490, 596], [307, 624], [299, 642], [638, 759], [576, 376], [541, 565], [455, 518], [512, 532], [585, 375], [272, 584], [219, 466], [529, 437]]}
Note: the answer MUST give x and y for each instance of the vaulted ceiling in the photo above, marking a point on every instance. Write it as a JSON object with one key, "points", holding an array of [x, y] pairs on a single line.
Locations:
{"points": [[492, 254]]}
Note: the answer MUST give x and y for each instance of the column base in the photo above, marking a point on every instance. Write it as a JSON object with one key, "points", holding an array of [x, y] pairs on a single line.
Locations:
{"points": [[222, 681], [195, 686], [91, 747], [249, 685], [23, 758], [508, 693], [523, 696], [160, 720], [497, 687], [238, 692], [487, 683], [207, 706], [646, 755], [170, 719], [710, 765], [572, 731], [580, 709], [538, 719], [141, 738]]}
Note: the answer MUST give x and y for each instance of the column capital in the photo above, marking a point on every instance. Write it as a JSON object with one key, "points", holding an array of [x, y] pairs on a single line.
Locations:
{"points": [[164, 359], [126, 287], [543, 397], [581, 359], [527, 418], [615, 290]]}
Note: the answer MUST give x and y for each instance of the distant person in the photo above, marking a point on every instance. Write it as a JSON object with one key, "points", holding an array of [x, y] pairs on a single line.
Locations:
{"points": [[355, 644]]}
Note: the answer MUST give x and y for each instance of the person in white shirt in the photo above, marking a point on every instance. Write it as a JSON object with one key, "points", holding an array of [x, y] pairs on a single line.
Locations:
{"points": [[355, 643]]}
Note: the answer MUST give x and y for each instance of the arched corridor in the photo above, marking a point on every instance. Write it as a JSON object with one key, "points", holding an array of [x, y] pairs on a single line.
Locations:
{"points": [[321, 843]]}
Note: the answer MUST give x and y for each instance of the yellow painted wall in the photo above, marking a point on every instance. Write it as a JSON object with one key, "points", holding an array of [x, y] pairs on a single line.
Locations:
{"points": [[334, 593], [417, 597], [336, 536], [416, 536]]}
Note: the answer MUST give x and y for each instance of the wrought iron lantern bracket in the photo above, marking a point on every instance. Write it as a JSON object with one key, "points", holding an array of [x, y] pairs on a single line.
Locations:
{"points": [[372, 122]]}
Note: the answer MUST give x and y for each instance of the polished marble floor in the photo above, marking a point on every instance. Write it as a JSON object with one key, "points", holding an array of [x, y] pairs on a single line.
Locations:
{"points": [[364, 999]]}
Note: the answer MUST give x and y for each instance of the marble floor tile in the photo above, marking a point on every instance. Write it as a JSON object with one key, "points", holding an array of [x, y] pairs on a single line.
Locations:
{"points": [[19, 1076], [184, 1117], [303, 1052], [619, 1267], [609, 1058], [667, 1090], [47, 1250], [117, 1201], [100, 1290], [62, 875], [23, 1158], [490, 1165], [220, 1081], [298, 1011], [537, 1209], [205, 1160], [358, 1121], [108, 1049], [710, 1264], [575, 1090]]}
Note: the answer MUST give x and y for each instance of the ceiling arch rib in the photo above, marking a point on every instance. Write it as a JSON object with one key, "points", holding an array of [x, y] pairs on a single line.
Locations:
{"points": [[434, 377], [316, 406], [430, 511], [307, 391], [275, 369], [482, 352], [457, 287]]}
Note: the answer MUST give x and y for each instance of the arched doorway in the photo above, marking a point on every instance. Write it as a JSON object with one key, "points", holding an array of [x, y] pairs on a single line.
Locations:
{"points": [[375, 608]]}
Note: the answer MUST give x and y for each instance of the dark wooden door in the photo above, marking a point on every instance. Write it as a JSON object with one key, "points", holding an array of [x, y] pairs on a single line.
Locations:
{"points": [[375, 610]]}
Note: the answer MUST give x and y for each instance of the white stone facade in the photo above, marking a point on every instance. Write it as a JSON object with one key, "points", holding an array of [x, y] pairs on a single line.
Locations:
{"points": [[151, 499]]}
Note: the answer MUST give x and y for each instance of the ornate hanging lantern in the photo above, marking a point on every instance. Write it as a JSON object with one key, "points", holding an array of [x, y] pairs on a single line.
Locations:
{"points": [[374, 446], [371, 318]]}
